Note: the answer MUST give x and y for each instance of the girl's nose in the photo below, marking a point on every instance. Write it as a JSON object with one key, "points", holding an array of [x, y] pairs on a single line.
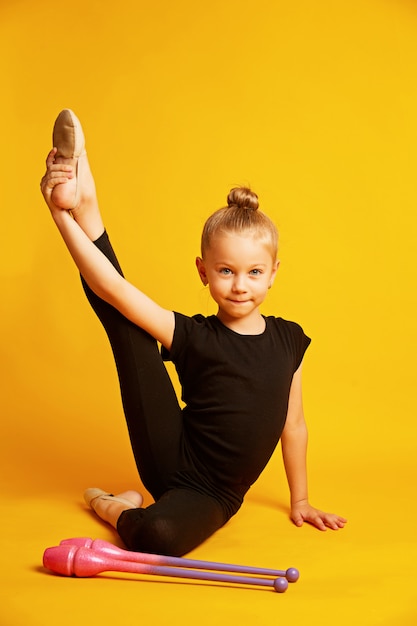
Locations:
{"points": [[239, 284]]}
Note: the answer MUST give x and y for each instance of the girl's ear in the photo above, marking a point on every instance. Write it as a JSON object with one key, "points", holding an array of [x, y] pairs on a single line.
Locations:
{"points": [[201, 270], [274, 273]]}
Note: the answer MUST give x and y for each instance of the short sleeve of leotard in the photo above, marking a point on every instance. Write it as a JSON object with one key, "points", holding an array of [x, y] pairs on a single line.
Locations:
{"points": [[294, 334]]}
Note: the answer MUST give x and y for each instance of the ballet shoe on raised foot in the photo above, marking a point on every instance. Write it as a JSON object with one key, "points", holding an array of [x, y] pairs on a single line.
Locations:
{"points": [[68, 139], [68, 136], [93, 494]]}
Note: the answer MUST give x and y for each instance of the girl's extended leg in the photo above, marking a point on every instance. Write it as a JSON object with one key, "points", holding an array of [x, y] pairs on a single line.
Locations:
{"points": [[153, 415], [152, 412]]}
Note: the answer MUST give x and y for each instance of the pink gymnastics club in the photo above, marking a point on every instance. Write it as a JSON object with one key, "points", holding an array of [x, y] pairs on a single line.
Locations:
{"points": [[71, 560], [108, 549]]}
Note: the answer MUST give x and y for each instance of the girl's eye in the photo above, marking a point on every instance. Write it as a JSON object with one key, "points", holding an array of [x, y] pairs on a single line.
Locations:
{"points": [[255, 272], [226, 271]]}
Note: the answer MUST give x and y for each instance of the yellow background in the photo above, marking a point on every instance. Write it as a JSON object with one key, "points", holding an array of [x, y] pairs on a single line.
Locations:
{"points": [[314, 105]]}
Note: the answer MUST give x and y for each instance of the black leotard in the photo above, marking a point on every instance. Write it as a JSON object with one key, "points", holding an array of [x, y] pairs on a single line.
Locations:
{"points": [[198, 461]]}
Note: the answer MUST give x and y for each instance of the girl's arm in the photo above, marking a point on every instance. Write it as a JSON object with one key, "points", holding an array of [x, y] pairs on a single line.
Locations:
{"points": [[95, 268], [107, 283], [294, 452]]}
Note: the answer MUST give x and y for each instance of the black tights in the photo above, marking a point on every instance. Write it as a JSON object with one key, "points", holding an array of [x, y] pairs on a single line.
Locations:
{"points": [[181, 518]]}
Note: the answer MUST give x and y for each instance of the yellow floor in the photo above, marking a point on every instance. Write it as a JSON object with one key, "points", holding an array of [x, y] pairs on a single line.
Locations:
{"points": [[364, 574]]}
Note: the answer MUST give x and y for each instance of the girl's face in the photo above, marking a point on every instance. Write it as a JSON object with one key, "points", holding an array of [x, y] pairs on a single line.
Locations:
{"points": [[239, 270]]}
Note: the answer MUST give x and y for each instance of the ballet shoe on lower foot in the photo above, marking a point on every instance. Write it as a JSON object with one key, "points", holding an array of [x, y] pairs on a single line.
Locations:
{"points": [[93, 494], [68, 139]]}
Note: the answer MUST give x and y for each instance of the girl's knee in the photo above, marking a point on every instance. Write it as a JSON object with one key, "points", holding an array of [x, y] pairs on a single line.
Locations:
{"points": [[174, 525], [155, 535]]}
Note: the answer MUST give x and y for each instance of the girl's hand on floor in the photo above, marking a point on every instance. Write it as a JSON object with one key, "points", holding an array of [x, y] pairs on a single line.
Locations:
{"points": [[303, 512]]}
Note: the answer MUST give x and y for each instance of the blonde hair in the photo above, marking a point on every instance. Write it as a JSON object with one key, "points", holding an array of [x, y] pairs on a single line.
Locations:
{"points": [[241, 216]]}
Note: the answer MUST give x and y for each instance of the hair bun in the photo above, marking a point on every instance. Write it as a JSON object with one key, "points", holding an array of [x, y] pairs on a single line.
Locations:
{"points": [[243, 198]]}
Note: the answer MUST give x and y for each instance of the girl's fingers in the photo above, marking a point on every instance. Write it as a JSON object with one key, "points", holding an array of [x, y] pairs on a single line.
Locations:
{"points": [[51, 181], [51, 166], [58, 180], [51, 157], [319, 523], [59, 171], [56, 173], [335, 522]]}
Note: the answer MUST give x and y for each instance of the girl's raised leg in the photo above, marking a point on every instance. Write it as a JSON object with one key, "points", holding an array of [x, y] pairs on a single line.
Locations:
{"points": [[152, 411], [153, 415]]}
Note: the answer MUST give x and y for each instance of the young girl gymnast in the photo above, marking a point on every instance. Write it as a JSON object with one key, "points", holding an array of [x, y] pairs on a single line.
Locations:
{"points": [[240, 371]]}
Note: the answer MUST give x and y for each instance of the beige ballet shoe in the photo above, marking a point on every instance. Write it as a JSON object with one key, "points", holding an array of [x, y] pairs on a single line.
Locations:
{"points": [[68, 136], [92, 494], [68, 139]]}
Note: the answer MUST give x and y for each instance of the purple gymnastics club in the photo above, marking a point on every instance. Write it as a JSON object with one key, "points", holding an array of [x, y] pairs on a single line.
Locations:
{"points": [[108, 549], [73, 558]]}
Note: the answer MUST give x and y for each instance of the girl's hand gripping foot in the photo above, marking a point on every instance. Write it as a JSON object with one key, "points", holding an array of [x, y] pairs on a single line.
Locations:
{"points": [[68, 139], [56, 174], [68, 183]]}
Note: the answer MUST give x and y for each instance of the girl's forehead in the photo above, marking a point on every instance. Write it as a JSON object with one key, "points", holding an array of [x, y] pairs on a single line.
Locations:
{"points": [[230, 239], [238, 245]]}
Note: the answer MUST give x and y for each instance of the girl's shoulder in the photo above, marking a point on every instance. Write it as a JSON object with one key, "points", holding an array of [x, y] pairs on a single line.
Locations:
{"points": [[187, 328], [290, 334], [279, 324]]}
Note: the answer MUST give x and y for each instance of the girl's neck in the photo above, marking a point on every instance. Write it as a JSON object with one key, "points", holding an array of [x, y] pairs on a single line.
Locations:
{"points": [[253, 324]]}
